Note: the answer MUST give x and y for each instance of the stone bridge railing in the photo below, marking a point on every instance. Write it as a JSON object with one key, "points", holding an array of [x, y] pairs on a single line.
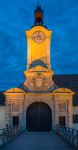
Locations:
{"points": [[8, 134], [69, 134]]}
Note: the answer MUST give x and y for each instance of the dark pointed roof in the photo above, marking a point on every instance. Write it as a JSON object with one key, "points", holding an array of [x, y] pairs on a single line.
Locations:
{"points": [[38, 15], [37, 63]]}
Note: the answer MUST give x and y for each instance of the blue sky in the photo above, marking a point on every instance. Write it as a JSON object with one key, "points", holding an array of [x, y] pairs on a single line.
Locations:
{"points": [[16, 16]]}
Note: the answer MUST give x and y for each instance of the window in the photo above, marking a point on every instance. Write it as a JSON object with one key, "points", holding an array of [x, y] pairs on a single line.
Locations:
{"points": [[15, 120], [62, 120], [75, 118]]}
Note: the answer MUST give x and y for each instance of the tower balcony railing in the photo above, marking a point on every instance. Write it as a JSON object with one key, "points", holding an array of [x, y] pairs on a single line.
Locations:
{"points": [[69, 134], [8, 133]]}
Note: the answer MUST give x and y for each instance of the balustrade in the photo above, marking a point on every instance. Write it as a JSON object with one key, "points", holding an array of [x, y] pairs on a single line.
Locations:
{"points": [[8, 133], [69, 134]]}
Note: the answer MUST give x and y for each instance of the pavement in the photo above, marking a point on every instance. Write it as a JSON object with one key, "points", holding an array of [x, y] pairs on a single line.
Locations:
{"points": [[37, 141]]}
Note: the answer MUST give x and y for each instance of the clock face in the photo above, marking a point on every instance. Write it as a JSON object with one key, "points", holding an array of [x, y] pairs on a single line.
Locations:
{"points": [[38, 37]]}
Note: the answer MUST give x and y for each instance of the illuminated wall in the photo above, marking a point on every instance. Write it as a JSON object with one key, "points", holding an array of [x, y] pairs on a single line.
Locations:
{"points": [[38, 39]]}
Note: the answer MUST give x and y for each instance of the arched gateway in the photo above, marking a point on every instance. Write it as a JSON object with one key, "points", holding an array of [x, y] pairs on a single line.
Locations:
{"points": [[39, 117]]}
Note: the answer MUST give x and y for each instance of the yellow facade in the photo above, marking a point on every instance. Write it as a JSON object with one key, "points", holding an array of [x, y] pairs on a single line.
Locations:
{"points": [[38, 51]]}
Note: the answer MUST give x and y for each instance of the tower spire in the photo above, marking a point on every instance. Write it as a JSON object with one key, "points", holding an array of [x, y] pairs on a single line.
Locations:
{"points": [[38, 15]]}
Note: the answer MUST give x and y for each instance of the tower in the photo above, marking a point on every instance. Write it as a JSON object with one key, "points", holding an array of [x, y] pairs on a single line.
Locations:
{"points": [[38, 54], [38, 39]]}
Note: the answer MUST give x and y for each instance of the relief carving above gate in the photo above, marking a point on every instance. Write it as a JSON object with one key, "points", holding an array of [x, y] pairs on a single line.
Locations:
{"points": [[39, 82]]}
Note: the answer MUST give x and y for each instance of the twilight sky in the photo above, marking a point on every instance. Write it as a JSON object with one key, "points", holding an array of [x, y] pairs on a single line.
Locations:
{"points": [[16, 16]]}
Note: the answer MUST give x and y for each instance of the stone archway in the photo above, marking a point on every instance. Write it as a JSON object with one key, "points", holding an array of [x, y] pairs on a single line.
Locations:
{"points": [[39, 117]]}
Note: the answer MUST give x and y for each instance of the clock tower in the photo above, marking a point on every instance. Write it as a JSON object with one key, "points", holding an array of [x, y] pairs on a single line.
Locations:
{"points": [[38, 54], [38, 39]]}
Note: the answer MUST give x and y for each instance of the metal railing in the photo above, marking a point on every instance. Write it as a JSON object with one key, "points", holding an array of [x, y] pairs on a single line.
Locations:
{"points": [[69, 134], [8, 133]]}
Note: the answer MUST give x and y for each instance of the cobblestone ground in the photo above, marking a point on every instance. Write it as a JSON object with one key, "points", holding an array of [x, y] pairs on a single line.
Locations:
{"points": [[37, 141]]}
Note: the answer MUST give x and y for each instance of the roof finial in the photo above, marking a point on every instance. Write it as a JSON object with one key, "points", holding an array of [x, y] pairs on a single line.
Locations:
{"points": [[38, 14]]}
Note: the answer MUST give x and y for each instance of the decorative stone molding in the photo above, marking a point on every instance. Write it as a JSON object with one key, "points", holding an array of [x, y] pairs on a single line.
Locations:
{"points": [[39, 81], [62, 107]]}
